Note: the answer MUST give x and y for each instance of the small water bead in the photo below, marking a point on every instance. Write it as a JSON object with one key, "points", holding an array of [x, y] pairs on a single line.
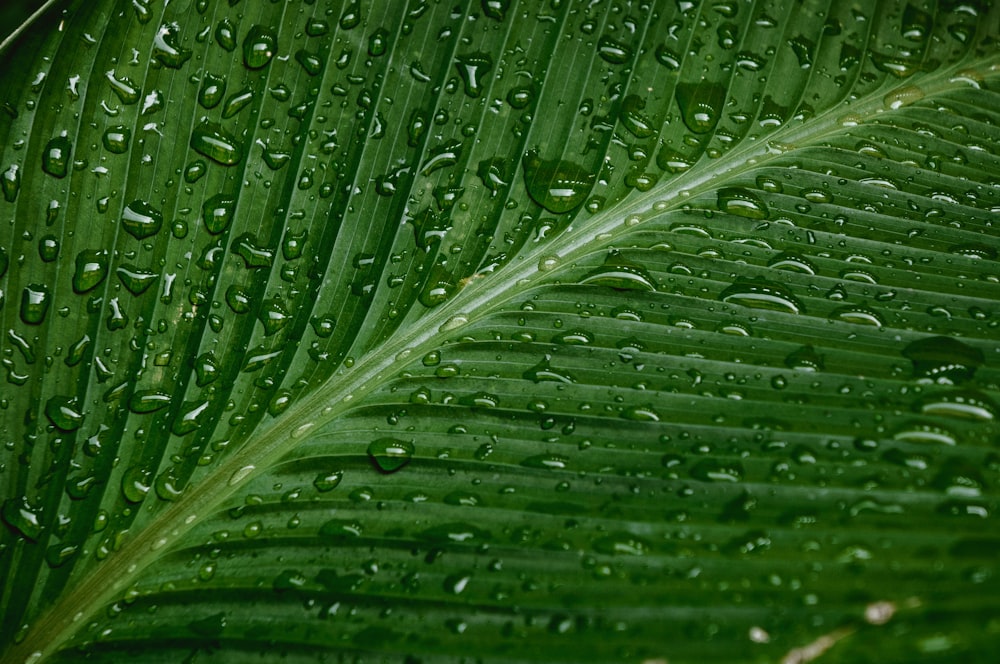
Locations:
{"points": [[378, 42], [56, 157], [328, 481], [48, 248]]}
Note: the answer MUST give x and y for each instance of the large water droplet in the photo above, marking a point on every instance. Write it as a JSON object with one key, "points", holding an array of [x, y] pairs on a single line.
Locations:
{"points": [[35, 301], [148, 401], [217, 212], [165, 48], [390, 454], [943, 359], [10, 180], [22, 518], [141, 220], [701, 105], [64, 413], [136, 280], [211, 140], [761, 294], [621, 274], [56, 157], [742, 202], [259, 46], [212, 90], [116, 139], [557, 185], [123, 87], [473, 68], [543, 371]]}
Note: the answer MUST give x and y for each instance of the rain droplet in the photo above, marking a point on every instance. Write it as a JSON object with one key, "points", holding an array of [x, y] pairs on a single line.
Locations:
{"points": [[701, 105], [211, 140], [217, 212], [116, 139], [613, 51], [741, 202], [761, 294], [259, 47], [165, 48], [390, 454], [56, 157], [126, 91], [473, 68], [558, 186], [943, 359], [64, 413], [141, 220], [213, 88], [621, 274], [35, 301], [136, 280], [21, 517], [10, 180], [148, 401]]}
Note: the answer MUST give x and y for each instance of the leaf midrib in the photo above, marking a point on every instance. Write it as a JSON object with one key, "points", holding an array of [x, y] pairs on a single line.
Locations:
{"points": [[56, 625]]}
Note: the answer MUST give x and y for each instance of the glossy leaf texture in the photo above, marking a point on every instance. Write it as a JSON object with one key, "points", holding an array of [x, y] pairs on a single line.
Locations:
{"points": [[500, 331]]}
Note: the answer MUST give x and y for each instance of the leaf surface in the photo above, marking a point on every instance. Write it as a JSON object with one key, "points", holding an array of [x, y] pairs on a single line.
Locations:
{"points": [[554, 332]]}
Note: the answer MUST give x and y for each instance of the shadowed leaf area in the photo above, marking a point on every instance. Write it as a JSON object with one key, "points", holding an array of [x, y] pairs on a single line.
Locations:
{"points": [[500, 331]]}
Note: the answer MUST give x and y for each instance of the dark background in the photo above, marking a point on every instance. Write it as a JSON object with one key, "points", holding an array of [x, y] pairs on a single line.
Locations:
{"points": [[14, 12]]}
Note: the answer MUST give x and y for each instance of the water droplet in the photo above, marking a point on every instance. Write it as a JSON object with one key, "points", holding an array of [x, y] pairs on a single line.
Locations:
{"points": [[273, 316], [613, 51], [741, 202], [136, 483], [259, 47], [126, 91], [217, 212], [56, 157], [558, 186], [761, 294], [340, 529], [717, 470], [136, 280], [253, 255], [858, 315], [621, 544], [546, 462], [148, 401], [311, 63], [495, 9], [351, 17], [473, 68], [225, 35], [495, 174], [963, 404], [520, 97], [241, 474], [633, 119], [455, 533], [64, 413], [943, 359], [190, 417], [701, 105], [442, 156], [141, 220], [328, 481], [22, 518], [211, 140], [165, 48], [10, 180], [35, 301], [390, 454], [116, 139], [621, 274], [212, 90]]}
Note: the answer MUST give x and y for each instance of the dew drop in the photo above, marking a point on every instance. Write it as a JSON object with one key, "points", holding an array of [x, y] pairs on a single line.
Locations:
{"points": [[141, 220], [56, 157], [761, 294], [210, 140], [473, 68], [390, 454], [557, 185], [259, 47], [116, 139], [35, 301], [217, 212], [943, 360], [64, 413], [10, 181], [741, 202], [701, 105]]}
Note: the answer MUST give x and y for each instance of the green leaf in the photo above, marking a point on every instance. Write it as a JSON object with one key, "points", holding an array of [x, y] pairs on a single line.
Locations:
{"points": [[505, 331]]}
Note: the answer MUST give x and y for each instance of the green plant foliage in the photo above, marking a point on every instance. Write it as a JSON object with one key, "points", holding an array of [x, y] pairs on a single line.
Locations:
{"points": [[497, 331]]}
